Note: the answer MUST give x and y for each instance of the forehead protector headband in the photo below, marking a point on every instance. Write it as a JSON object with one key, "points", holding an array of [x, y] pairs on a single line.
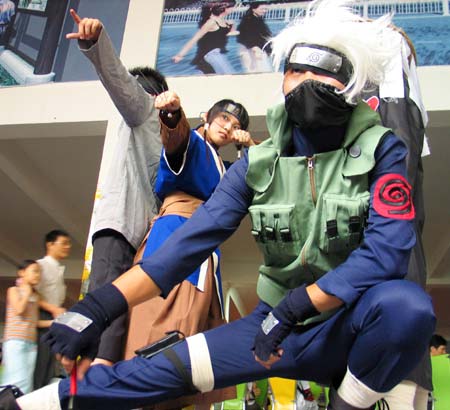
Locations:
{"points": [[233, 110], [239, 112], [320, 60], [236, 110]]}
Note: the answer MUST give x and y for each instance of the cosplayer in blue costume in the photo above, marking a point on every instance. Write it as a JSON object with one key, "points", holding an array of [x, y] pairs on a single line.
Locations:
{"points": [[334, 305], [190, 169], [195, 168]]}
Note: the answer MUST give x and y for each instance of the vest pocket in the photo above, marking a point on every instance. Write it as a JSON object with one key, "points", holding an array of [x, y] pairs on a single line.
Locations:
{"points": [[342, 222], [273, 230]]}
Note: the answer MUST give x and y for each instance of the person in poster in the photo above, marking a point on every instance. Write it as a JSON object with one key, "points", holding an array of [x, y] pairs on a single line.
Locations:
{"points": [[253, 37], [7, 11], [211, 39]]}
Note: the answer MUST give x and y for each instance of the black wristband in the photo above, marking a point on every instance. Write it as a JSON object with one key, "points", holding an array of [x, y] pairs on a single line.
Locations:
{"points": [[170, 119], [109, 303], [300, 304]]}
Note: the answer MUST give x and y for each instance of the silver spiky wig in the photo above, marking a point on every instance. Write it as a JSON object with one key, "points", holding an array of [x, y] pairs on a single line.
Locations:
{"points": [[332, 23]]}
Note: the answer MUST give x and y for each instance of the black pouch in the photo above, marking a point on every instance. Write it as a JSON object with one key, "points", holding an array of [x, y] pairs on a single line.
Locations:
{"points": [[172, 338], [8, 396]]}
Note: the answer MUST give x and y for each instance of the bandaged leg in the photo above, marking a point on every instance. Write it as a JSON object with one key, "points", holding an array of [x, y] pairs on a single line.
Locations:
{"points": [[202, 372], [353, 394], [45, 398], [407, 395]]}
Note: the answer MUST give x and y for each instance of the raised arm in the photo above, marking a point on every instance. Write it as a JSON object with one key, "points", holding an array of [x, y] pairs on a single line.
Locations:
{"points": [[133, 103], [175, 128], [19, 300]]}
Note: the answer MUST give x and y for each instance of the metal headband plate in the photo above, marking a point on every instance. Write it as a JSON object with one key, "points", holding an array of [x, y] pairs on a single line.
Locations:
{"points": [[269, 323], [316, 57], [74, 320], [232, 109]]}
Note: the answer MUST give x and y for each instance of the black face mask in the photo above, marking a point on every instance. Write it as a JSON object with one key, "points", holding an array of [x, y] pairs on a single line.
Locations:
{"points": [[313, 104]]}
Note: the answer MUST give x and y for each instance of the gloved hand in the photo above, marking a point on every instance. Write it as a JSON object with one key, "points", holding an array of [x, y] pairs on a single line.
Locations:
{"points": [[77, 332], [295, 307]]}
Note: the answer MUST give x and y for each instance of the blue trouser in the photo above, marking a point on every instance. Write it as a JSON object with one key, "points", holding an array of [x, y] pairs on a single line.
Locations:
{"points": [[19, 359], [381, 338]]}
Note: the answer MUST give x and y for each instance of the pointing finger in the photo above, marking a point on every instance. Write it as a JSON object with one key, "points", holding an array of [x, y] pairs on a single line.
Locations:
{"points": [[75, 16]]}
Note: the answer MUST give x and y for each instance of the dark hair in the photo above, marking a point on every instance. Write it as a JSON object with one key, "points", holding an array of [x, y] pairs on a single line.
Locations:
{"points": [[232, 107], [216, 9], [52, 236], [437, 340], [255, 4], [25, 263], [151, 80]]}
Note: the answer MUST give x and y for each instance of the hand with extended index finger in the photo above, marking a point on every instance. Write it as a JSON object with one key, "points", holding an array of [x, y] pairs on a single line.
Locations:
{"points": [[88, 28]]}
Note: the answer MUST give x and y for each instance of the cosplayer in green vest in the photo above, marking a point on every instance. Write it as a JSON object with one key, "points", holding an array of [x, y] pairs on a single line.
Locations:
{"points": [[301, 240]]}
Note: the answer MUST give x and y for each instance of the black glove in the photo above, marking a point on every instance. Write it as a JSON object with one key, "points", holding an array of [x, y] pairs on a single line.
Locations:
{"points": [[295, 307], [78, 331]]}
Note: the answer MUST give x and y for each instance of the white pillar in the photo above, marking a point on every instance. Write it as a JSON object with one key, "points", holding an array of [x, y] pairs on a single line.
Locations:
{"points": [[445, 7]]}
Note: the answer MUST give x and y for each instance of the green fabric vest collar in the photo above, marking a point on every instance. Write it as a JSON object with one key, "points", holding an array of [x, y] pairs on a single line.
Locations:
{"points": [[280, 130]]}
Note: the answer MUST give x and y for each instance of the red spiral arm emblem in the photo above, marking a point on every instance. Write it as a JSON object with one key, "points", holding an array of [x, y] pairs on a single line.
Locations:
{"points": [[392, 197]]}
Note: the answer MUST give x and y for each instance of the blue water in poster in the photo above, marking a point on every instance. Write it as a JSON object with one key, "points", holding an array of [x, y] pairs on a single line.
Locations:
{"points": [[429, 34]]}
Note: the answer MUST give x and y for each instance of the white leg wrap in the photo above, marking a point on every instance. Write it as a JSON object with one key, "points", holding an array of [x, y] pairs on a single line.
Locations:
{"points": [[421, 399], [202, 372], [46, 398], [407, 395], [356, 393]]}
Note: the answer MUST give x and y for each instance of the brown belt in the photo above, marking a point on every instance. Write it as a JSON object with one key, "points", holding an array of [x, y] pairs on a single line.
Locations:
{"points": [[176, 203]]}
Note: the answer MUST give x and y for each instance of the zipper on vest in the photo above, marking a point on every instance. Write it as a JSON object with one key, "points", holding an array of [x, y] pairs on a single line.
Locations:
{"points": [[312, 180]]}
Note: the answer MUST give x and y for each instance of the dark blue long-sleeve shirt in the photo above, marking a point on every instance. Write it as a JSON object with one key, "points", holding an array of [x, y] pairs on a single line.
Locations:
{"points": [[383, 255]]}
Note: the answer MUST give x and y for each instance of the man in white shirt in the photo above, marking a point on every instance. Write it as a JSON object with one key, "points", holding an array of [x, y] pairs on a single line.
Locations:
{"points": [[53, 291]]}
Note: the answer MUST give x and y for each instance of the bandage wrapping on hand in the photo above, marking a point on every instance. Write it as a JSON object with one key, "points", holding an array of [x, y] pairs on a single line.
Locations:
{"points": [[295, 307], [101, 306]]}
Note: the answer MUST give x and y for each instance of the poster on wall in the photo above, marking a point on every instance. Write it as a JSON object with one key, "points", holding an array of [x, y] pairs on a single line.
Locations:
{"points": [[33, 47], [228, 37], [36, 5], [7, 12]]}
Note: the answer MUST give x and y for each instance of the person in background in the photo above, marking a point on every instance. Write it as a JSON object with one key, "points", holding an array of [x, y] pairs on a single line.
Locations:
{"points": [[7, 11], [211, 39], [398, 101], [126, 199], [438, 345], [21, 323], [52, 289], [254, 35]]}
